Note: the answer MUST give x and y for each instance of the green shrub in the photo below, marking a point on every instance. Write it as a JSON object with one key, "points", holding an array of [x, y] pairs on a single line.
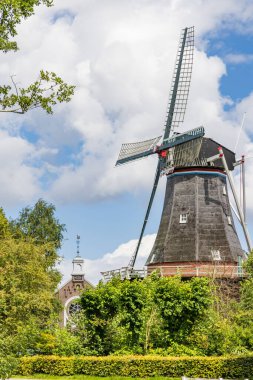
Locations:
{"points": [[59, 342], [140, 366], [136, 316], [8, 364], [176, 349]]}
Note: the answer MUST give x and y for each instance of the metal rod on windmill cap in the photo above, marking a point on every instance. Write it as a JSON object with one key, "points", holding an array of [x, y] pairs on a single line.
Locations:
{"points": [[243, 188], [240, 212], [78, 245]]}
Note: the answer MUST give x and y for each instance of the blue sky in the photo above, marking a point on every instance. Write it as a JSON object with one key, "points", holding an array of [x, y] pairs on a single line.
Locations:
{"points": [[238, 82], [120, 56]]}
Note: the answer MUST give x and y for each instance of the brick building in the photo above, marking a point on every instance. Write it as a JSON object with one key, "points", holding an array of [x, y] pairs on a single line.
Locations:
{"points": [[71, 290]]}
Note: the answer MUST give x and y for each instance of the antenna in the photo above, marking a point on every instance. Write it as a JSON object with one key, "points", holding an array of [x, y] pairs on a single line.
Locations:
{"points": [[77, 245], [239, 134]]}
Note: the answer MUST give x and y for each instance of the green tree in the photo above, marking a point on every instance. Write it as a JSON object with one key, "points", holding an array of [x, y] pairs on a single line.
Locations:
{"points": [[247, 285], [12, 12], [228, 326], [27, 284], [151, 331], [181, 304], [49, 88], [40, 225], [100, 306], [5, 231], [132, 299], [242, 317], [136, 316]]}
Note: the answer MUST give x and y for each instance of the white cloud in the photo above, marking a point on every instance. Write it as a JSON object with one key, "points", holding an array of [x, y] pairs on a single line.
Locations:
{"points": [[120, 55], [114, 260], [18, 180], [238, 58]]}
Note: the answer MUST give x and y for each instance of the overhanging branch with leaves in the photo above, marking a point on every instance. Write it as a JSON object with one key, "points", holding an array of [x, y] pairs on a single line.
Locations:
{"points": [[45, 92]]}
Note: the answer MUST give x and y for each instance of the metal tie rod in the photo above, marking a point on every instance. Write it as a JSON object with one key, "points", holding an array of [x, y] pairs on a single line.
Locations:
{"points": [[231, 182]]}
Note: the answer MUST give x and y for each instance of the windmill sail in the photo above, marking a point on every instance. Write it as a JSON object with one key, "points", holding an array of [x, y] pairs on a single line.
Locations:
{"points": [[175, 116], [180, 82], [135, 151], [176, 110], [186, 154], [156, 180]]}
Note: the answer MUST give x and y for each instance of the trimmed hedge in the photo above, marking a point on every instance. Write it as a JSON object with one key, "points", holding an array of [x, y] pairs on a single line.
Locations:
{"points": [[139, 366]]}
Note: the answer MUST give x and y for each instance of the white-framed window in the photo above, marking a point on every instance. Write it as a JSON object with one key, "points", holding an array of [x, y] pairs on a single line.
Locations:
{"points": [[152, 258], [74, 308], [183, 218], [215, 254], [224, 190], [229, 220]]}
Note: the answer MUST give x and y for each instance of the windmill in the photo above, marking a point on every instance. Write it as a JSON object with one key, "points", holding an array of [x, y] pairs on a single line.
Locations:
{"points": [[196, 233]]}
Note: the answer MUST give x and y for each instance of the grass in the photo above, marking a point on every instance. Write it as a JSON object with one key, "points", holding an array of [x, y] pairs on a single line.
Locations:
{"points": [[81, 377]]}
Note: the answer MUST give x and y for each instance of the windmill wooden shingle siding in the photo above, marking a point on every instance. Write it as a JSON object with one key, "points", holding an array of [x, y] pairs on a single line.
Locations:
{"points": [[197, 235]]}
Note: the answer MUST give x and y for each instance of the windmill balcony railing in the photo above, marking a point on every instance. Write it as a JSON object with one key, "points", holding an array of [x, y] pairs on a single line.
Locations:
{"points": [[214, 270], [124, 273]]}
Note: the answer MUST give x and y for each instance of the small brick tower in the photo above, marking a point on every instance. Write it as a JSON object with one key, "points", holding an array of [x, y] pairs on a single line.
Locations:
{"points": [[71, 290]]}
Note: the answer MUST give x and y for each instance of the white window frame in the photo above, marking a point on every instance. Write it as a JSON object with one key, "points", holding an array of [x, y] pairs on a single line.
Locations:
{"points": [[229, 220], [224, 190], [183, 218], [216, 254]]}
